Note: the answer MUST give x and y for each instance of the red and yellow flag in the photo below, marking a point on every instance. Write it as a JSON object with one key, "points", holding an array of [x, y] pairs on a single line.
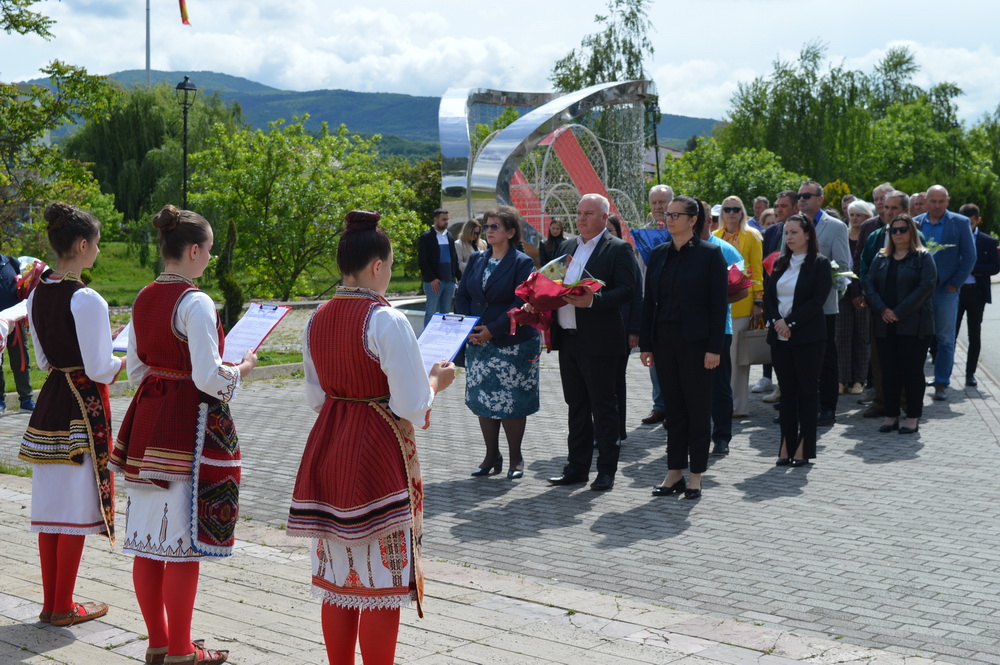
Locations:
{"points": [[184, 13]]}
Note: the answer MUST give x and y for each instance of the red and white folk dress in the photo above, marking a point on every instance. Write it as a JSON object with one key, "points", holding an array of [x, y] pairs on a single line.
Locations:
{"points": [[358, 491], [69, 433], [177, 445]]}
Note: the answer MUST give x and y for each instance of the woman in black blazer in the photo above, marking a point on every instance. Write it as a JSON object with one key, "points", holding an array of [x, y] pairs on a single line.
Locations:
{"points": [[793, 308], [501, 385], [682, 336], [900, 284]]}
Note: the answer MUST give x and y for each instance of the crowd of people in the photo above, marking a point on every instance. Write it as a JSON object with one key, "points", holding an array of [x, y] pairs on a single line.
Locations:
{"points": [[850, 307]]}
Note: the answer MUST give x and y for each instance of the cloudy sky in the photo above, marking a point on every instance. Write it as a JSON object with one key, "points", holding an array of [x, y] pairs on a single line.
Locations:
{"points": [[703, 48]]}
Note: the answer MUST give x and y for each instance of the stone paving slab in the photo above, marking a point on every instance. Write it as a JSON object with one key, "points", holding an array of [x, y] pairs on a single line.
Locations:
{"points": [[888, 541], [248, 604]]}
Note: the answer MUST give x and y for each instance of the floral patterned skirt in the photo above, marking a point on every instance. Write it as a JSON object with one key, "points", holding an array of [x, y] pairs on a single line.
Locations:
{"points": [[502, 382]]}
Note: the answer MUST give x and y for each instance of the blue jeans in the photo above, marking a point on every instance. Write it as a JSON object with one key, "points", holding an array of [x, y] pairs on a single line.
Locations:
{"points": [[945, 317], [657, 393], [441, 301]]}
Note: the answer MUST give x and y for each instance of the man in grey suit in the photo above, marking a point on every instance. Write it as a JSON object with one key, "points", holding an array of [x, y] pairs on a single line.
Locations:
{"points": [[831, 234]]}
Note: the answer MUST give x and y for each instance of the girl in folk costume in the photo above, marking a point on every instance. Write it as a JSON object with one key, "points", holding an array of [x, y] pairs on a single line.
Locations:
{"points": [[177, 445], [358, 489], [69, 434]]}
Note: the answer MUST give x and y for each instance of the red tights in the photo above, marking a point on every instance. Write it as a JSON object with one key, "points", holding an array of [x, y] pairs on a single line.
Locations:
{"points": [[60, 555], [166, 593], [377, 630]]}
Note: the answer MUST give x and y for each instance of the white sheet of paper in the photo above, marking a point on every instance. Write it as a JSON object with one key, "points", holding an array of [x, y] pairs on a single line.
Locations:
{"points": [[120, 343], [15, 312], [251, 331], [443, 337]]}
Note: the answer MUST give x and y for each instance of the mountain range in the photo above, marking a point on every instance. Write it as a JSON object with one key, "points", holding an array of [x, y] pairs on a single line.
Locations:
{"points": [[408, 123]]}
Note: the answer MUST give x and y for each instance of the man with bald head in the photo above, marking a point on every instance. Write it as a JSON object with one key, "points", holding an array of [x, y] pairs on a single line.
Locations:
{"points": [[954, 266], [590, 335], [660, 197]]}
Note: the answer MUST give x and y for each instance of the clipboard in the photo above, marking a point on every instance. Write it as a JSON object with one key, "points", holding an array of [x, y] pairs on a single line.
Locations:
{"points": [[251, 330], [443, 337]]}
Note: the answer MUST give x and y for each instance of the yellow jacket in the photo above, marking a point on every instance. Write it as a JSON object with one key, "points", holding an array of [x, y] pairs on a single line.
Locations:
{"points": [[751, 247]]}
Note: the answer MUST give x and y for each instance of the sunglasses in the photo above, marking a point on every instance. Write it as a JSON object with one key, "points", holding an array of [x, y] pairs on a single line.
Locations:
{"points": [[899, 230], [805, 196], [491, 227], [675, 215], [476, 232], [732, 210]]}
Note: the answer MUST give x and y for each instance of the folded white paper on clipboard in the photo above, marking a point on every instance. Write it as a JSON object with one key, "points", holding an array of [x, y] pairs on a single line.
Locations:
{"points": [[443, 337], [251, 331], [120, 342]]}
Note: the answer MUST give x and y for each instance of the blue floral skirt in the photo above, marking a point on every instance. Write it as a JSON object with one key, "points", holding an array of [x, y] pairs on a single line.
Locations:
{"points": [[502, 382]]}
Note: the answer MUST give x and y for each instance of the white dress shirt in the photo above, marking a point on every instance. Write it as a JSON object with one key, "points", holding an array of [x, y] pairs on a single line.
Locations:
{"points": [[584, 250]]}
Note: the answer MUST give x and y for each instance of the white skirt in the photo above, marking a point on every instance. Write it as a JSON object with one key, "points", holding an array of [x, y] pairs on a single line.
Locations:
{"points": [[64, 499], [158, 522], [375, 576]]}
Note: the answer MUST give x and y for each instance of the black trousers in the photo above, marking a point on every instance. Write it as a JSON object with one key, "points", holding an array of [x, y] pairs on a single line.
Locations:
{"points": [[902, 358], [798, 370], [589, 388], [687, 397], [829, 378], [972, 303], [722, 397]]}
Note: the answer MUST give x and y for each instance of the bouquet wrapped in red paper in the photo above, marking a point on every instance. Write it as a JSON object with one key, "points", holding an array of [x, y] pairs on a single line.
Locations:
{"points": [[739, 279], [31, 274], [544, 291], [768, 262]]}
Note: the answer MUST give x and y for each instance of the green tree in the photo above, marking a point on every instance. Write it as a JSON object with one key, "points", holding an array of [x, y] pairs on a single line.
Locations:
{"points": [[287, 192], [32, 171], [482, 131], [708, 173], [422, 181], [616, 53]]}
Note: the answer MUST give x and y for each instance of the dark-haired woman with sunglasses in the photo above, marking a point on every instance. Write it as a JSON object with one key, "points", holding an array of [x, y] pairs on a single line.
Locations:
{"points": [[682, 336], [501, 385], [900, 284], [735, 230]]}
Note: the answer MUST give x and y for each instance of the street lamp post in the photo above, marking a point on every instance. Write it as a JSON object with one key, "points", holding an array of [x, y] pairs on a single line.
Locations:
{"points": [[185, 93], [655, 110]]}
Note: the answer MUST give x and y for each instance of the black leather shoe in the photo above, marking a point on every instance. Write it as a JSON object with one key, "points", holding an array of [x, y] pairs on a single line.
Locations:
{"points": [[489, 470], [782, 461], [888, 428], [909, 430], [873, 412], [971, 382], [655, 416], [567, 480], [661, 490], [691, 493], [826, 417], [799, 462], [720, 449], [603, 482]]}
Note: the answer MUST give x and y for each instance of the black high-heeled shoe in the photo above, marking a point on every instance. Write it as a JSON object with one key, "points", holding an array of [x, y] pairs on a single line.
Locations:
{"points": [[884, 429], [799, 462], [782, 461], [489, 471], [679, 486], [516, 471]]}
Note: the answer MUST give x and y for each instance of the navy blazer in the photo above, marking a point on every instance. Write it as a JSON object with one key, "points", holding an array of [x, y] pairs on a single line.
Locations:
{"points": [[703, 286], [987, 264], [492, 303], [429, 257], [806, 319]]}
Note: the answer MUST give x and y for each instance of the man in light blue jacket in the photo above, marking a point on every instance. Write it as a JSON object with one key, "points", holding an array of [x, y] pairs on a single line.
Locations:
{"points": [[954, 264]]}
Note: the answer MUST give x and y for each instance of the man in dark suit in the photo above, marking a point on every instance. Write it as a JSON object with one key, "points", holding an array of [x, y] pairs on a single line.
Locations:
{"points": [[438, 263], [976, 291], [590, 336], [20, 363]]}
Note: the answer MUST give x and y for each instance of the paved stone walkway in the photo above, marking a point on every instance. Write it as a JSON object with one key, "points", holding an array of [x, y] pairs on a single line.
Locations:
{"points": [[888, 541]]}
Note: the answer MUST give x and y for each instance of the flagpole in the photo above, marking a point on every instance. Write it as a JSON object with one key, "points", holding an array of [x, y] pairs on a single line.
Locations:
{"points": [[147, 44]]}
